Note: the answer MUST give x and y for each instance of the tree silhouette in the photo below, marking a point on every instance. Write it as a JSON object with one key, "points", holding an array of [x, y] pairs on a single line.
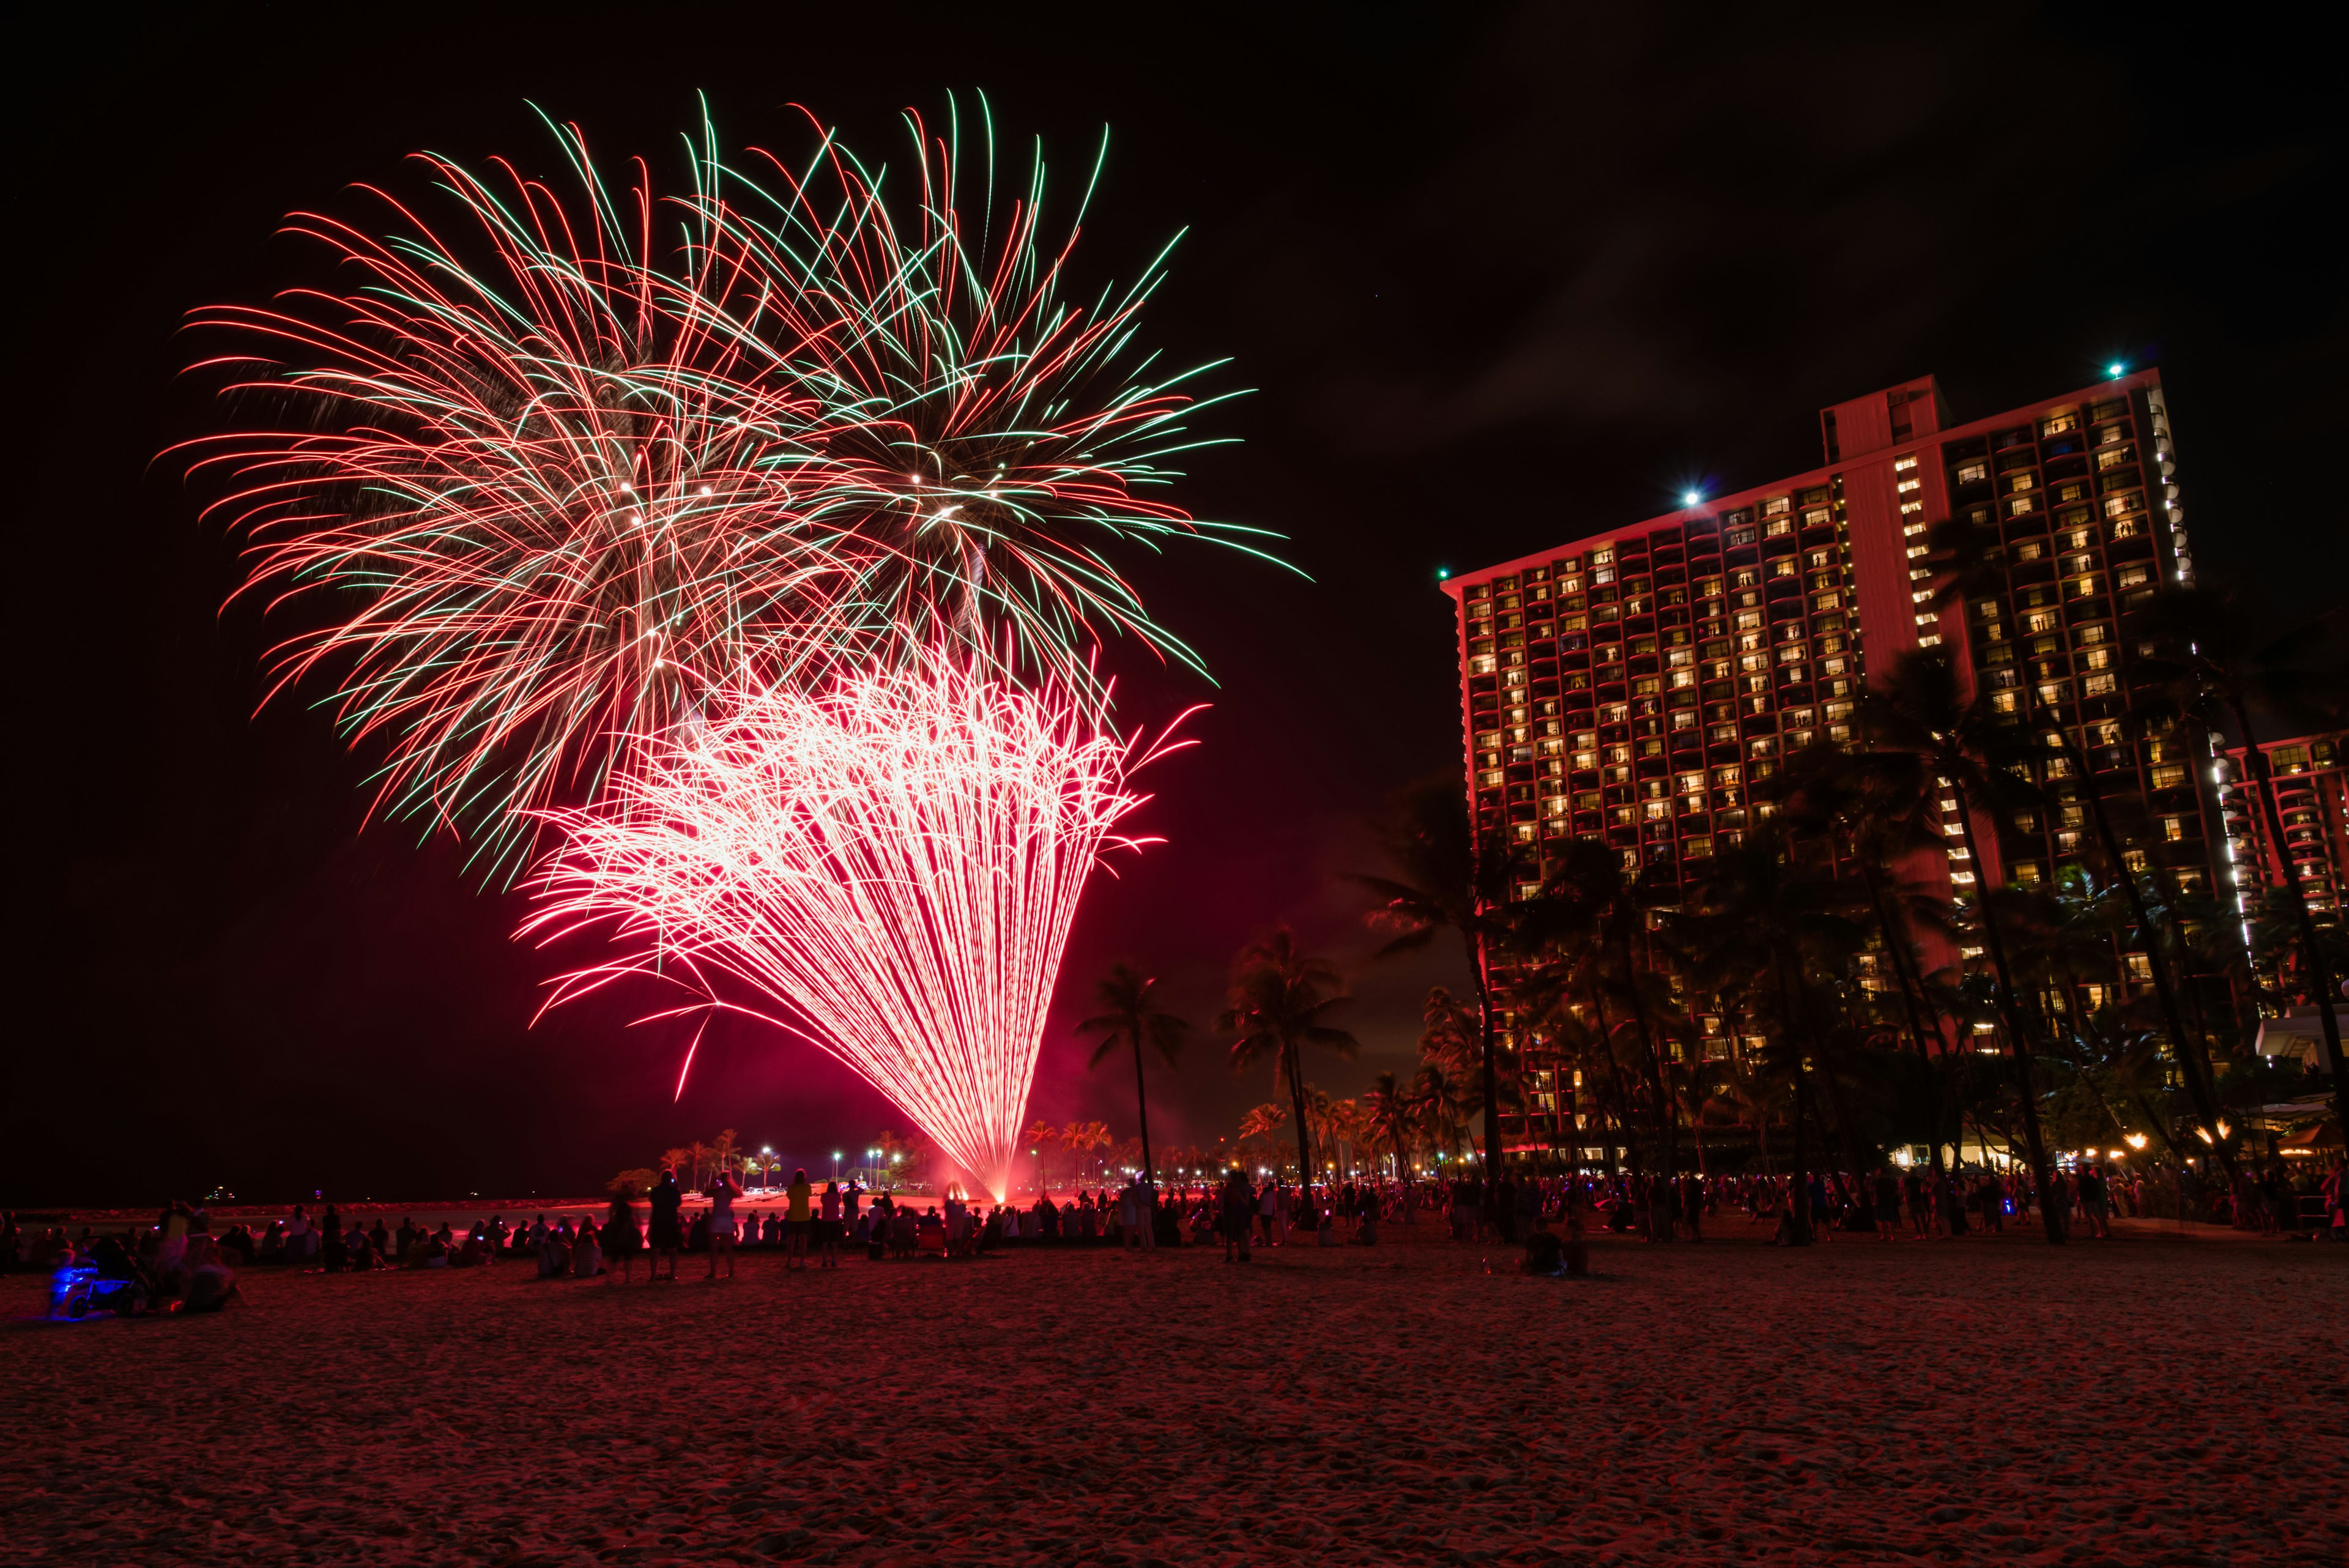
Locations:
{"points": [[1129, 1016]]}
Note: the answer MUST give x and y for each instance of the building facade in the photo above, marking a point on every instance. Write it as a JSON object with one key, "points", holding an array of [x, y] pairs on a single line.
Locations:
{"points": [[2311, 798], [1633, 685]]}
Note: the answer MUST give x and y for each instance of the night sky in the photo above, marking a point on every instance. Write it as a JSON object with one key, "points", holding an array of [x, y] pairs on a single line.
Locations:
{"points": [[1498, 280]]}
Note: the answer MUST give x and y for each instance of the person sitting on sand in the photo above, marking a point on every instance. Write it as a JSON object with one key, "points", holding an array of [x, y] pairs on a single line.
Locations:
{"points": [[553, 1256], [212, 1288], [723, 1191], [238, 1239], [587, 1254], [119, 1286]]}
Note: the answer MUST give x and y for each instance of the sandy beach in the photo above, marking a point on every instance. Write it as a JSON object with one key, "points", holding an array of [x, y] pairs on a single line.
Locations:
{"points": [[2150, 1401]]}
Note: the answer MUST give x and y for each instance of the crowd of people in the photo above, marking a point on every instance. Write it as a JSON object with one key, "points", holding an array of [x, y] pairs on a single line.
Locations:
{"points": [[179, 1263]]}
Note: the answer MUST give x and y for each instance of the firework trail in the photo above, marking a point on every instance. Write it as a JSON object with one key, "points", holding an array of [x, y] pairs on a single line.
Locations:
{"points": [[896, 863], [547, 470]]}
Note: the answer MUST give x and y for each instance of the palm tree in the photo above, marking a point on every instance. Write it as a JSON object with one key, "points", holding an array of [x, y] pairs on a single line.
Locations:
{"points": [[1080, 1138], [677, 1159], [1039, 1135], [724, 1151], [1260, 1124], [1969, 565], [1880, 813], [1280, 998], [1759, 913], [1745, 1089], [1442, 1104], [1591, 909], [1128, 1016], [1452, 878], [1448, 1035], [1387, 1107], [1921, 713], [2224, 657]]}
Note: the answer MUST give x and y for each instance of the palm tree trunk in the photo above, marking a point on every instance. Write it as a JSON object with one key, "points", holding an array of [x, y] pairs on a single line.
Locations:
{"points": [[1668, 1153], [2311, 955], [1296, 1106], [1799, 1184], [2018, 1038], [2192, 1049], [1620, 1115], [1845, 1128], [1478, 961], [1896, 946], [1142, 1112]]}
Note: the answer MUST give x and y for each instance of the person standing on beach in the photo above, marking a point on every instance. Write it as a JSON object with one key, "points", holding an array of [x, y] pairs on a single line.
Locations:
{"points": [[1239, 1216], [667, 1237], [2094, 1206], [828, 1225], [797, 1219], [723, 1231]]}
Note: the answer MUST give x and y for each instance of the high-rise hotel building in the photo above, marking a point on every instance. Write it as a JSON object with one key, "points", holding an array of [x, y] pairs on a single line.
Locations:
{"points": [[1632, 685]]}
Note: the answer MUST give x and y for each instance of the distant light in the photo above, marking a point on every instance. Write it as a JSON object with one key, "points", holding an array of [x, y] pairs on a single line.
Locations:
{"points": [[2115, 368], [1442, 573], [1691, 498]]}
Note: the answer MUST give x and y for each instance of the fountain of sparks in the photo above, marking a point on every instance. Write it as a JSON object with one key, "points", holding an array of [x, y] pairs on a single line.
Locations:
{"points": [[889, 870]]}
